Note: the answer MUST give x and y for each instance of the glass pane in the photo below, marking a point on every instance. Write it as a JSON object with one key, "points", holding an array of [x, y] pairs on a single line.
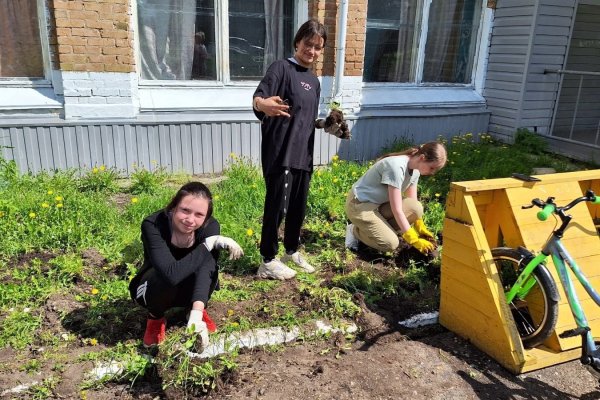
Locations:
{"points": [[177, 39], [20, 47], [451, 41], [260, 32], [392, 39]]}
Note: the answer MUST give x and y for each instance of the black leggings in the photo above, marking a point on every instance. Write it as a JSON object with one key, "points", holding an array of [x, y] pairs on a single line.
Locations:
{"points": [[157, 296], [287, 192]]}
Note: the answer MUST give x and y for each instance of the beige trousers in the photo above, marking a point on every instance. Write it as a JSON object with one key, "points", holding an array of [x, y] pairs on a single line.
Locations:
{"points": [[375, 225]]}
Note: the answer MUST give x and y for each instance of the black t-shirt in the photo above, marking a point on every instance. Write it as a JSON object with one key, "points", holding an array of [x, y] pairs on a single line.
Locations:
{"points": [[289, 142]]}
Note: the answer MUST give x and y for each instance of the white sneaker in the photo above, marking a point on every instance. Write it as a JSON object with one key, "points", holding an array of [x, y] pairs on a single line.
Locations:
{"points": [[275, 269], [297, 259], [351, 241]]}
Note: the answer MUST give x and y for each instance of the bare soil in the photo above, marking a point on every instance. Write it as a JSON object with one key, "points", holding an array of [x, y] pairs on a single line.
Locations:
{"points": [[386, 362]]}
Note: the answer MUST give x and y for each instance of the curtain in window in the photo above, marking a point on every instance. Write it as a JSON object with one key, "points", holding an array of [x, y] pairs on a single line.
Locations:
{"points": [[451, 38], [167, 38], [20, 48]]}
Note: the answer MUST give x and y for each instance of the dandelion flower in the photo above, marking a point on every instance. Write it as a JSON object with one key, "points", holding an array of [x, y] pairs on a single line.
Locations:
{"points": [[95, 291], [50, 192], [437, 195], [45, 205], [59, 205], [58, 198], [335, 164], [233, 156], [95, 170], [93, 342], [234, 324], [321, 234], [104, 297], [229, 312], [216, 197], [134, 200], [335, 180], [335, 157], [102, 168], [31, 215], [249, 232]]}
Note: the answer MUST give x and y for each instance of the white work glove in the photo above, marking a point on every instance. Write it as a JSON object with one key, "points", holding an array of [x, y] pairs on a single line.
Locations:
{"points": [[196, 325], [223, 242]]}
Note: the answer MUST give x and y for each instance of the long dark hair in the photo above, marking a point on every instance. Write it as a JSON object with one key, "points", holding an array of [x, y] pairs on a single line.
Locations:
{"points": [[196, 189], [309, 29], [433, 151]]}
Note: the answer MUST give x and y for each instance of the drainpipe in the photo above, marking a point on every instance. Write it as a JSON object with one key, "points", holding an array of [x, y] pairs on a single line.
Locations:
{"points": [[341, 50]]}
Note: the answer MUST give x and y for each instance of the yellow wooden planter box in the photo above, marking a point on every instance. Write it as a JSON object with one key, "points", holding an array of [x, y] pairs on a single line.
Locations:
{"points": [[484, 214]]}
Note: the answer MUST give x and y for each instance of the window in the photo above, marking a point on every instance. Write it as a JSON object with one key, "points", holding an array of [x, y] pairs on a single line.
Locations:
{"points": [[213, 40], [21, 48], [421, 41]]}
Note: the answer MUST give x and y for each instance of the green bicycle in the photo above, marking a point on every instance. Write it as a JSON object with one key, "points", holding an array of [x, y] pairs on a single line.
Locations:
{"points": [[531, 291]]}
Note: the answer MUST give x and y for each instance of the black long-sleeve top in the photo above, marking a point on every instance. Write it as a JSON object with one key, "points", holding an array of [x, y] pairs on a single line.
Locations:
{"points": [[289, 142], [173, 263]]}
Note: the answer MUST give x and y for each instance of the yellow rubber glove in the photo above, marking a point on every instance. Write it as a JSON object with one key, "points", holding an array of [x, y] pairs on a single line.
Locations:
{"points": [[412, 237], [422, 229]]}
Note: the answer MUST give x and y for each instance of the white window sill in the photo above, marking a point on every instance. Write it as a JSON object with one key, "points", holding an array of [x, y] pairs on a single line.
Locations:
{"points": [[200, 98], [29, 98]]}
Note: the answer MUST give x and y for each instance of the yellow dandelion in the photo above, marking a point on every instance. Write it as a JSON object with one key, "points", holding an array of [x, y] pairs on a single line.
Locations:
{"points": [[58, 198], [335, 180], [335, 164], [354, 173], [233, 156], [104, 297], [93, 342], [335, 157], [102, 168], [59, 205], [31, 215], [50, 192], [95, 170], [45, 205], [321, 234], [94, 291], [235, 324], [437, 195], [216, 197], [249, 232], [229, 312], [134, 200]]}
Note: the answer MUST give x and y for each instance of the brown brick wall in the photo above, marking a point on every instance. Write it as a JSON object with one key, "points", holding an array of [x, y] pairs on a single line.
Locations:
{"points": [[93, 35], [326, 11]]}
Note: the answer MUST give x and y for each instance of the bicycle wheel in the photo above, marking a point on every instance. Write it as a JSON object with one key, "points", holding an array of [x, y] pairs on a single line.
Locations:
{"points": [[535, 314]]}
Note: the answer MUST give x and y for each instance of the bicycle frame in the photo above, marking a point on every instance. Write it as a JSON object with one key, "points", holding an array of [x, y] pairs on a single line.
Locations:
{"points": [[563, 263]]}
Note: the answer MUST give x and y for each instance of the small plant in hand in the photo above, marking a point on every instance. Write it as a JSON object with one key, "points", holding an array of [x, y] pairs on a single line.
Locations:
{"points": [[68, 252]]}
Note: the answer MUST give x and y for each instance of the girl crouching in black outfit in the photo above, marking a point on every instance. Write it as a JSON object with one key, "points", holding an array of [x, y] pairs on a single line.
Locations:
{"points": [[181, 246]]}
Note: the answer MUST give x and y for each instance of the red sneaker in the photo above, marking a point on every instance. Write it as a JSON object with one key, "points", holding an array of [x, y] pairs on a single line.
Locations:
{"points": [[155, 331], [210, 324]]}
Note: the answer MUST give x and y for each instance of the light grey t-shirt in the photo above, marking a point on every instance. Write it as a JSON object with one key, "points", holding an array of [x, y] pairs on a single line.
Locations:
{"points": [[372, 187]]}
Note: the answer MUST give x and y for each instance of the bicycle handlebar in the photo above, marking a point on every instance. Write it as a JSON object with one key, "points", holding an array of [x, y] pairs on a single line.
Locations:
{"points": [[546, 211], [549, 206]]}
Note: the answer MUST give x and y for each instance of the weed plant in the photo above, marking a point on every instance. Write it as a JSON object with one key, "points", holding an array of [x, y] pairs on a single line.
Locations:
{"points": [[49, 221]]}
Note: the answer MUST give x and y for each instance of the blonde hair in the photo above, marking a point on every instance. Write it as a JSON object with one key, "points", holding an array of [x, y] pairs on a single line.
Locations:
{"points": [[433, 151]]}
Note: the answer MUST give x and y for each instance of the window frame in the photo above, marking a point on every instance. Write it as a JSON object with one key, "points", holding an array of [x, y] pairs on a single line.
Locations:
{"points": [[217, 96], [417, 72], [413, 97], [46, 80]]}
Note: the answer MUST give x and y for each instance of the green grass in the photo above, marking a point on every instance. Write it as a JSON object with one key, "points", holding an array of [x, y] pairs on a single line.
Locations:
{"points": [[49, 221]]}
